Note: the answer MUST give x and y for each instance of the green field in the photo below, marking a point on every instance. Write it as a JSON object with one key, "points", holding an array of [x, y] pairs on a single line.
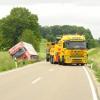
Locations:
{"points": [[42, 54], [6, 61], [94, 59]]}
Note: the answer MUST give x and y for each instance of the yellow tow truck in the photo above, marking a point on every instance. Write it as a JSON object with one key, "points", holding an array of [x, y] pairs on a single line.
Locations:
{"points": [[70, 49]]}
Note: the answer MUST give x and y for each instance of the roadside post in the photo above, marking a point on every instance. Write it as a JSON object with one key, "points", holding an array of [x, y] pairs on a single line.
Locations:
{"points": [[92, 63], [16, 64]]}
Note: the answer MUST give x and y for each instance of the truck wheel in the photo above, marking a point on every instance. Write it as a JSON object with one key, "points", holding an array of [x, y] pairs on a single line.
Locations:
{"points": [[82, 64], [63, 62], [51, 59], [47, 59], [59, 62]]}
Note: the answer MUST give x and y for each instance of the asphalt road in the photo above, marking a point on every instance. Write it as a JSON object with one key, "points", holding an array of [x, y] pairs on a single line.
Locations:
{"points": [[44, 81]]}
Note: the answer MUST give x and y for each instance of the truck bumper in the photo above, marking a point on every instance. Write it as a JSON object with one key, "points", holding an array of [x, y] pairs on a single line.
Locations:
{"points": [[76, 60]]}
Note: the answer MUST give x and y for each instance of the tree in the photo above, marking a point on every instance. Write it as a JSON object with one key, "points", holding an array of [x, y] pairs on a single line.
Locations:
{"points": [[13, 25], [51, 32], [99, 40], [29, 37]]}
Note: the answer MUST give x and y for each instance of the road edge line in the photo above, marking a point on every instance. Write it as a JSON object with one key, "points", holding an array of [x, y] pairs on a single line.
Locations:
{"points": [[93, 90]]}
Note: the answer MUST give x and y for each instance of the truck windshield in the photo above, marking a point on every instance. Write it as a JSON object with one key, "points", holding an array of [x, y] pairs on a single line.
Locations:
{"points": [[20, 52], [75, 44]]}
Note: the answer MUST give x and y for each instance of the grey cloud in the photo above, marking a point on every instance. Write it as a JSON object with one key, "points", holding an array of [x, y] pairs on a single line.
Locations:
{"points": [[28, 2]]}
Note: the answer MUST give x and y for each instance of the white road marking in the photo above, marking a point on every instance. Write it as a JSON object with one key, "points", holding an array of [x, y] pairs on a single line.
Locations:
{"points": [[51, 70], [36, 80], [94, 94]]}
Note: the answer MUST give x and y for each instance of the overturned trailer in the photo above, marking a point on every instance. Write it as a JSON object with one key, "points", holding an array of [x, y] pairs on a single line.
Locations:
{"points": [[23, 50]]}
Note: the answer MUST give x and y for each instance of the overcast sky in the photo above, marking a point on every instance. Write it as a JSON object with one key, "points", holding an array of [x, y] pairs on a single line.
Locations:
{"points": [[60, 12]]}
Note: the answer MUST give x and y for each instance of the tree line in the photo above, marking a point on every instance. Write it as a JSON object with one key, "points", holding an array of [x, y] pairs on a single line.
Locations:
{"points": [[22, 25], [50, 32]]}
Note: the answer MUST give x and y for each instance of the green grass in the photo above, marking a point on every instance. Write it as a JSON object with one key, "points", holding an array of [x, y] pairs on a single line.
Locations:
{"points": [[94, 55], [42, 54], [94, 58], [6, 62]]}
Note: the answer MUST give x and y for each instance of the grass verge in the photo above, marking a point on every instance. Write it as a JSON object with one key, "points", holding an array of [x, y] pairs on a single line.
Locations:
{"points": [[7, 63], [94, 60], [42, 53]]}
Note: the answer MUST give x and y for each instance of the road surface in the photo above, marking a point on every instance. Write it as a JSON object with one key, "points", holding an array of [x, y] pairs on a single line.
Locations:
{"points": [[44, 81]]}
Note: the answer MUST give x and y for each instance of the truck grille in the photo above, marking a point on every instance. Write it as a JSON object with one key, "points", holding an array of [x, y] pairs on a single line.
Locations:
{"points": [[76, 60], [76, 56], [77, 53]]}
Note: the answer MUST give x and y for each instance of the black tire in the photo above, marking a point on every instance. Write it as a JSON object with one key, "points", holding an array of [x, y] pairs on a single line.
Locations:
{"points": [[47, 59], [63, 61], [82, 64], [59, 62], [77, 64], [51, 59]]}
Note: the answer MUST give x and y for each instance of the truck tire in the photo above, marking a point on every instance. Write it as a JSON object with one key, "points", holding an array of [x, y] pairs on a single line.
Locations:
{"points": [[59, 61], [47, 59], [63, 61], [51, 59], [82, 64]]}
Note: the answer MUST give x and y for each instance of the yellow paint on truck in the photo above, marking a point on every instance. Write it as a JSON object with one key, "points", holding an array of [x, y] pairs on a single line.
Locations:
{"points": [[74, 49], [70, 49]]}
